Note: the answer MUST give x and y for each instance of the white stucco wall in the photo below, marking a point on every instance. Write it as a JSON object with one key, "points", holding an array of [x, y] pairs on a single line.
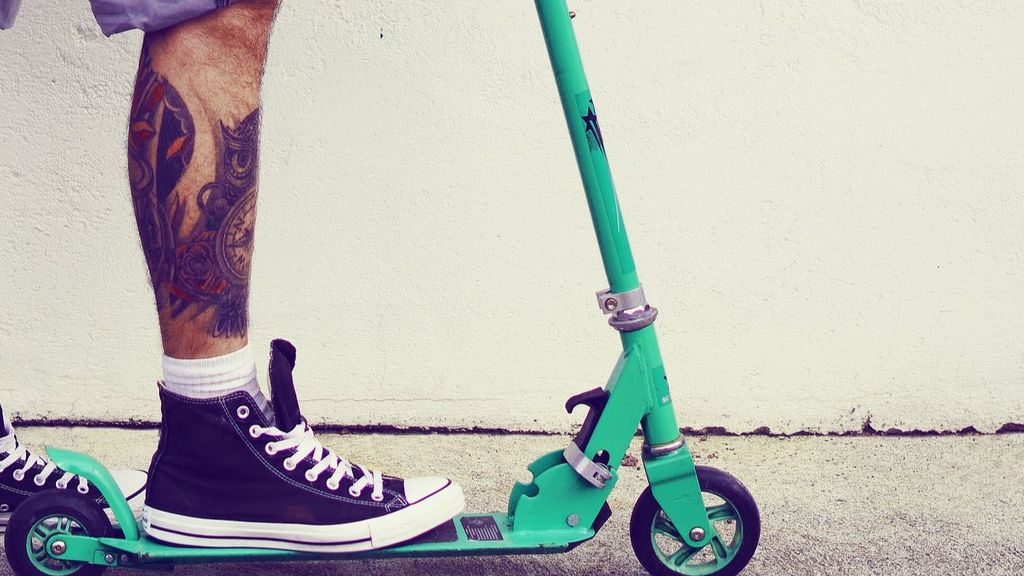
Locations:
{"points": [[826, 201]]}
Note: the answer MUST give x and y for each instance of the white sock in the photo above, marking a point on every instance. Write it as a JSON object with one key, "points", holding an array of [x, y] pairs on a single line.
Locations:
{"points": [[215, 377]]}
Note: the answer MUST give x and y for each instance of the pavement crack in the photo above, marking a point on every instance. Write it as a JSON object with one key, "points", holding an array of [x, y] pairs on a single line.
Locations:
{"points": [[866, 430]]}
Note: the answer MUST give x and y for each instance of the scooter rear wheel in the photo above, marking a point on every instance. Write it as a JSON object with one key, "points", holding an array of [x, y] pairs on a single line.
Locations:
{"points": [[35, 528], [661, 549]]}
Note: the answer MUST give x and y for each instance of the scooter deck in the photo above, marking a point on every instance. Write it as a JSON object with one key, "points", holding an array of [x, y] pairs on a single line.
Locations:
{"points": [[465, 535]]}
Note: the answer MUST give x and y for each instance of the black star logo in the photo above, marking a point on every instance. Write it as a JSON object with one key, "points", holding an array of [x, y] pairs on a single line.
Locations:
{"points": [[592, 126]]}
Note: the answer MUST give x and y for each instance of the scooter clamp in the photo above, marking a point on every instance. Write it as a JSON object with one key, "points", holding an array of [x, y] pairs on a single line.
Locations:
{"points": [[610, 302], [593, 472]]}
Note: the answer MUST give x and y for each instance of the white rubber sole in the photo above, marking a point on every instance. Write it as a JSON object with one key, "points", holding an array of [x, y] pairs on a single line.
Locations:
{"points": [[388, 530]]}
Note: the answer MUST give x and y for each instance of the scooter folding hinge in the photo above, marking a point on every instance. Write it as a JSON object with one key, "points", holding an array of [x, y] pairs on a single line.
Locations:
{"points": [[611, 302], [593, 472]]}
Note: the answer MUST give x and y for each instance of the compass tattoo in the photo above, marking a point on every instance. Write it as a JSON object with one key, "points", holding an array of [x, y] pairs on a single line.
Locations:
{"points": [[204, 264]]}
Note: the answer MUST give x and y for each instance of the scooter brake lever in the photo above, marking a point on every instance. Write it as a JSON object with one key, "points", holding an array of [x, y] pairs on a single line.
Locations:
{"points": [[595, 399]]}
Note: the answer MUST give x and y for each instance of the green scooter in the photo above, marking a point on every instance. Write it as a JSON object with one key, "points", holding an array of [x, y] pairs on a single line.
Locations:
{"points": [[690, 520]]}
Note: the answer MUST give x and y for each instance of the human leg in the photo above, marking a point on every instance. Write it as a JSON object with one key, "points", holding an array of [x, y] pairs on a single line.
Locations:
{"points": [[193, 153], [231, 470], [193, 157]]}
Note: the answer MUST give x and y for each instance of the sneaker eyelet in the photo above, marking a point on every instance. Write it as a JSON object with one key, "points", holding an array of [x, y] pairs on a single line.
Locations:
{"points": [[355, 493], [333, 485], [310, 476], [4, 508], [83, 489], [18, 475], [269, 449], [39, 480], [289, 465], [377, 498], [254, 431], [242, 412], [61, 485]]}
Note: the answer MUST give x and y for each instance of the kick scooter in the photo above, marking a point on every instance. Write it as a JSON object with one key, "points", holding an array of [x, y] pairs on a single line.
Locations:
{"points": [[690, 520]]}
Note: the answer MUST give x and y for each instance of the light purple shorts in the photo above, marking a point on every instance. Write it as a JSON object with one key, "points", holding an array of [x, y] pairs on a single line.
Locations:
{"points": [[116, 16]]}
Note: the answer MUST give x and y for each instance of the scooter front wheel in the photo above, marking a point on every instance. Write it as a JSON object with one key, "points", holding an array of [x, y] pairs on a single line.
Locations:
{"points": [[33, 542], [733, 515]]}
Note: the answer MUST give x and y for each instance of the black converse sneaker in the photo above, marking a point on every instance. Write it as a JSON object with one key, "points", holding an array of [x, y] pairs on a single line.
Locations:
{"points": [[23, 473], [225, 476]]}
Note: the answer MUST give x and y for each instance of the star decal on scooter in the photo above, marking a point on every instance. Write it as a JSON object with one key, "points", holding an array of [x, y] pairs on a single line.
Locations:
{"points": [[592, 126]]}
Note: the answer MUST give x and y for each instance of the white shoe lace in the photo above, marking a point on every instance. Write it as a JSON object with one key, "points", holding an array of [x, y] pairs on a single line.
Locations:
{"points": [[305, 444], [22, 453]]}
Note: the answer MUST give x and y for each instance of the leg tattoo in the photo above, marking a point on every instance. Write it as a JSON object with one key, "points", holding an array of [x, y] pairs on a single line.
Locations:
{"points": [[202, 265]]}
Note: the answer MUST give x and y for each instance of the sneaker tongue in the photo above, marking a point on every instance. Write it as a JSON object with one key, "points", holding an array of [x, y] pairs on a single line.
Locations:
{"points": [[8, 443], [282, 387], [7, 427]]}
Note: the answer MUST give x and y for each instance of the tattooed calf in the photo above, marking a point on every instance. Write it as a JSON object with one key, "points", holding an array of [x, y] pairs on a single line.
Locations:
{"points": [[202, 265]]}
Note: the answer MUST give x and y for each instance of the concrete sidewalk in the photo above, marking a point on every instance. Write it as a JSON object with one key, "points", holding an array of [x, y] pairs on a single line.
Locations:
{"points": [[837, 506]]}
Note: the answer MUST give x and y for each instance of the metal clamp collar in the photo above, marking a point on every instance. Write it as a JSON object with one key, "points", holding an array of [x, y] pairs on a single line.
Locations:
{"points": [[613, 302], [666, 448], [597, 474]]}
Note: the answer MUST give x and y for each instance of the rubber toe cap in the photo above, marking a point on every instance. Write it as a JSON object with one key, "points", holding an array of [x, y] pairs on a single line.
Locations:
{"points": [[131, 482], [417, 489]]}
